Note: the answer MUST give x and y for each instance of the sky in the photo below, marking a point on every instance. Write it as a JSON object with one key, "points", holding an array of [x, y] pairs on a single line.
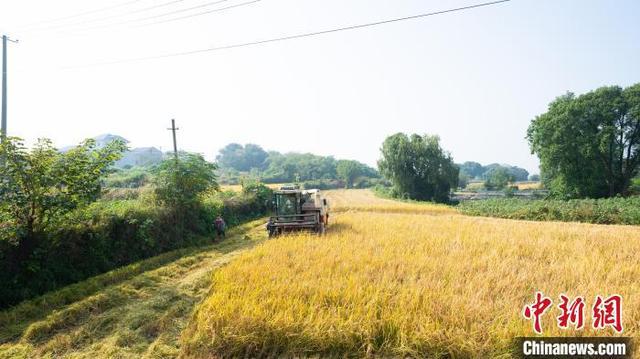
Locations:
{"points": [[476, 78]]}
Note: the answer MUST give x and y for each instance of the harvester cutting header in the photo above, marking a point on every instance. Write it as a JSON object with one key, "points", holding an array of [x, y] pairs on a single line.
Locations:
{"points": [[298, 210]]}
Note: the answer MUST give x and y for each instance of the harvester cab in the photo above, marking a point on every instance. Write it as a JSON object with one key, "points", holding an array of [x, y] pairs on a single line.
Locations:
{"points": [[298, 210]]}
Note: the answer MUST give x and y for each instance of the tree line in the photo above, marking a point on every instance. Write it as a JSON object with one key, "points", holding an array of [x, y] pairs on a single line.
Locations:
{"points": [[237, 161]]}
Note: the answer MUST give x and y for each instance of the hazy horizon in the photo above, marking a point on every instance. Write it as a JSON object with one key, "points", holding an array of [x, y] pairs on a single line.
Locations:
{"points": [[475, 78]]}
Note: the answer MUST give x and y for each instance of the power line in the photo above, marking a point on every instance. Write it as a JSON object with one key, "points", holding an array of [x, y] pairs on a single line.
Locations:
{"points": [[133, 21], [182, 10], [130, 21], [89, 12], [132, 12], [202, 13], [292, 37]]}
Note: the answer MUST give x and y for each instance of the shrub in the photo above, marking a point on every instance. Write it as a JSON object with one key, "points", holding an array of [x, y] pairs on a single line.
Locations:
{"points": [[128, 178], [635, 186]]}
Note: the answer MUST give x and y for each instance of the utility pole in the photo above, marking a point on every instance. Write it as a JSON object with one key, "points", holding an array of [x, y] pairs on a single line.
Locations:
{"points": [[174, 129], [3, 129]]}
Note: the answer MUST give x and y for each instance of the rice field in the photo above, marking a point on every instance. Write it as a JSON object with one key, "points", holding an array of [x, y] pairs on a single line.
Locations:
{"points": [[530, 185], [410, 280], [362, 200]]}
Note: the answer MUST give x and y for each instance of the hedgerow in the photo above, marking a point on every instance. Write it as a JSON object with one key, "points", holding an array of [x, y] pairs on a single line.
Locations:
{"points": [[111, 233]]}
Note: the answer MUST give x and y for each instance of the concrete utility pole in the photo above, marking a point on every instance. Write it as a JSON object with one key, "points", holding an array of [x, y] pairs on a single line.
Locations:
{"points": [[3, 129], [175, 145]]}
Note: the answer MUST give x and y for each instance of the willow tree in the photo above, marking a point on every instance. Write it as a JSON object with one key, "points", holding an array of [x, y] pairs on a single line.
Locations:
{"points": [[418, 167]]}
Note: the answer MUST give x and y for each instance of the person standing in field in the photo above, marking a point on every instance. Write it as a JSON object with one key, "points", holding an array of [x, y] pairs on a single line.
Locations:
{"points": [[220, 227]]}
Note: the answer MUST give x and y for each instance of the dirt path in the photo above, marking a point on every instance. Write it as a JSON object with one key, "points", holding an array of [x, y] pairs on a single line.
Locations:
{"points": [[139, 316]]}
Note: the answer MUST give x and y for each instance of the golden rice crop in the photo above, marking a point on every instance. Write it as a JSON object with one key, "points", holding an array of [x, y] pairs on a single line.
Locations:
{"points": [[529, 185], [410, 284], [361, 200]]}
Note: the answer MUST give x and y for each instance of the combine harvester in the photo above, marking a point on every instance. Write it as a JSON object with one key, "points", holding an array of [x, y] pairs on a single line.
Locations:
{"points": [[298, 210]]}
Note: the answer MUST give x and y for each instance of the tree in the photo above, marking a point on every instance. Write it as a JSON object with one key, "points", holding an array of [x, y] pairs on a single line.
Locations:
{"points": [[589, 146], [463, 179], [242, 158], [38, 186], [231, 156], [179, 183], [348, 171], [418, 167], [255, 157], [519, 174], [498, 178], [534, 178], [472, 169]]}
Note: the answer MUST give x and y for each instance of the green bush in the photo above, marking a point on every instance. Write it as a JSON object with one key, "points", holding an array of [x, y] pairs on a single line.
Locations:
{"points": [[603, 211], [128, 178], [635, 186]]}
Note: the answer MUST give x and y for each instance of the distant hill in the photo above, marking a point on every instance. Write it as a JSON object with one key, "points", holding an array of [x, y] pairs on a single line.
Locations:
{"points": [[103, 140], [142, 156]]}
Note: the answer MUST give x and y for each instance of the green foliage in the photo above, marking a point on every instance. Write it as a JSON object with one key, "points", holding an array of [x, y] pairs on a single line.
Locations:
{"points": [[474, 170], [132, 177], [75, 237], [635, 186], [418, 167], [262, 194], [589, 146], [38, 186], [323, 184], [516, 173], [109, 234], [534, 178], [242, 158], [237, 161], [299, 166], [463, 179], [603, 211], [179, 183], [348, 171], [498, 178]]}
